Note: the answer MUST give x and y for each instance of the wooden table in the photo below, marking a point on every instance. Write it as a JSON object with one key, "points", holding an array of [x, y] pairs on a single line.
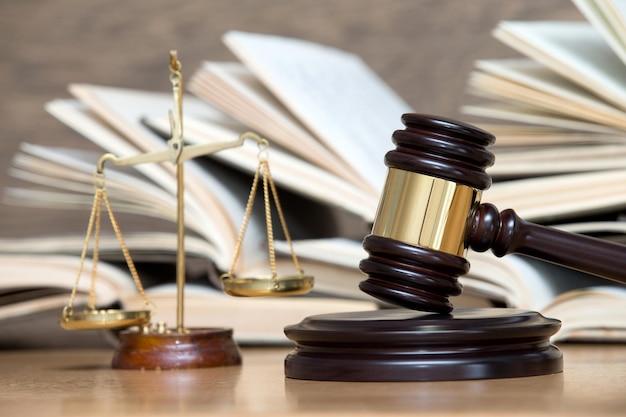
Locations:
{"points": [[80, 383]]}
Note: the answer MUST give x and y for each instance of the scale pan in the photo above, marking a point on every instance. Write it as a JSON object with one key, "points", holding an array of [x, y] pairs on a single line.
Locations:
{"points": [[267, 286], [103, 319]]}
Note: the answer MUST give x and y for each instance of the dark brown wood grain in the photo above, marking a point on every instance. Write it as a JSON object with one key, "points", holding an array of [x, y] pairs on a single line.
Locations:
{"points": [[194, 348], [405, 345]]}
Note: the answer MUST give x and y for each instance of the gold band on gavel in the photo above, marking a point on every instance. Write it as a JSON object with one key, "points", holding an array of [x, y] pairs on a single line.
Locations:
{"points": [[425, 211]]}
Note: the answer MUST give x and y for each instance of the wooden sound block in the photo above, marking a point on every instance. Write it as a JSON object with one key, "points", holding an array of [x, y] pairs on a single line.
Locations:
{"points": [[408, 345], [194, 348]]}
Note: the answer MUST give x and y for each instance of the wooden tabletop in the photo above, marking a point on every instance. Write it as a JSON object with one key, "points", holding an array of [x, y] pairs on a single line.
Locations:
{"points": [[80, 383]]}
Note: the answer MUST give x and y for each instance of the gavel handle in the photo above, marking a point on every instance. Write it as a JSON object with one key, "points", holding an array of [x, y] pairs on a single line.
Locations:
{"points": [[506, 233]]}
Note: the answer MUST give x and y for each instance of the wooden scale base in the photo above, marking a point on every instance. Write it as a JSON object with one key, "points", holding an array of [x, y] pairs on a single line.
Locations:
{"points": [[193, 348], [407, 345]]}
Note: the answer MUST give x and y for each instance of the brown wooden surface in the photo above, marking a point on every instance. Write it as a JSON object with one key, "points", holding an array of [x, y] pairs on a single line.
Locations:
{"points": [[422, 48], [80, 383]]}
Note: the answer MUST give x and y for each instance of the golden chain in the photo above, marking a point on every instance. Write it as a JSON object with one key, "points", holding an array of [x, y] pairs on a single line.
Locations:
{"points": [[268, 218], [95, 217], [263, 170], [246, 220], [282, 221], [94, 207], [125, 252]]}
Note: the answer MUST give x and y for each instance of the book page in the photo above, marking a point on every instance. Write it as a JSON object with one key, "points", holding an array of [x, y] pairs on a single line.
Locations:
{"points": [[590, 314], [258, 320], [512, 279], [236, 90], [72, 171], [215, 200], [143, 246], [553, 197], [612, 227], [288, 171], [573, 49], [78, 117], [333, 93], [60, 271], [530, 83], [615, 13], [607, 16], [514, 135], [512, 112], [549, 160]]}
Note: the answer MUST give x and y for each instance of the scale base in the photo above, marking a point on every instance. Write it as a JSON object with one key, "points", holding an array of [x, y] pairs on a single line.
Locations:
{"points": [[407, 345], [195, 348]]}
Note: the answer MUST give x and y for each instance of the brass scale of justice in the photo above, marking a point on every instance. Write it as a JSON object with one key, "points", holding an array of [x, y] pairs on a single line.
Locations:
{"points": [[156, 346]]}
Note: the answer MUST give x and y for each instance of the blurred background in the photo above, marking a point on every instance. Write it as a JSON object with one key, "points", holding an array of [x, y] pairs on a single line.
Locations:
{"points": [[423, 49]]}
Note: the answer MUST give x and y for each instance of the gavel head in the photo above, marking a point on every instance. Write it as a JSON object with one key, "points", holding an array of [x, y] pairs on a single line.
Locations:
{"points": [[418, 241]]}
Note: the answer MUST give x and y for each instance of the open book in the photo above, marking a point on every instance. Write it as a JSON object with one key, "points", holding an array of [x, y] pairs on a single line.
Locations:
{"points": [[46, 280], [329, 120], [559, 110], [562, 106]]}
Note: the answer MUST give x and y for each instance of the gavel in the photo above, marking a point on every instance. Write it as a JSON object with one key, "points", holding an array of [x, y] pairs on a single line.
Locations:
{"points": [[430, 214], [428, 217]]}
